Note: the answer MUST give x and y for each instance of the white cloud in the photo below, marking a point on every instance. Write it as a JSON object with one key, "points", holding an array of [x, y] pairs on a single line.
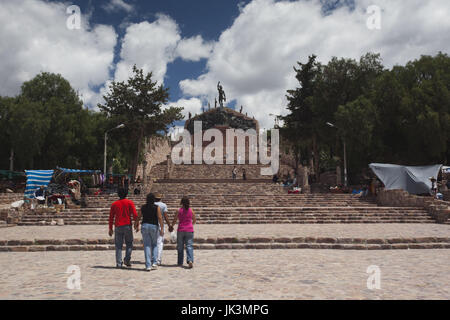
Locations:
{"points": [[194, 49], [152, 46], [118, 5], [34, 38], [193, 105], [254, 58]]}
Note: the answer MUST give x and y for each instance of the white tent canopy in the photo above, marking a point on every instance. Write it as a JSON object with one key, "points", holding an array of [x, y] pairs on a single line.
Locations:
{"points": [[415, 180]]}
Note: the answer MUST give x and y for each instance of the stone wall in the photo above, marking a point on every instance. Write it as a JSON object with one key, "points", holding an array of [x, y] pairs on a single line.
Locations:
{"points": [[446, 195], [157, 151], [439, 210]]}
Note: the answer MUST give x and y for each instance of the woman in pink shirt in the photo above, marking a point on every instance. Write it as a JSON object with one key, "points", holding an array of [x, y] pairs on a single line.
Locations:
{"points": [[185, 234]]}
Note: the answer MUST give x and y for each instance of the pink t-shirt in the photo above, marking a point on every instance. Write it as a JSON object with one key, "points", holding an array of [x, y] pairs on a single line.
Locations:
{"points": [[185, 218]]}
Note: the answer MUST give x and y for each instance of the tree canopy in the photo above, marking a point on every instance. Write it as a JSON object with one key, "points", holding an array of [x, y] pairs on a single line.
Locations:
{"points": [[47, 126], [139, 104], [397, 116]]}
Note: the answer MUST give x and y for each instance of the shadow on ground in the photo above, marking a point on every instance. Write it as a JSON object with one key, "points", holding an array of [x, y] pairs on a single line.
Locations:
{"points": [[139, 269]]}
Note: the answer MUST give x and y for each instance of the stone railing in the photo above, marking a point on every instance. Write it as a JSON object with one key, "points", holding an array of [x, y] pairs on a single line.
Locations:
{"points": [[439, 210]]}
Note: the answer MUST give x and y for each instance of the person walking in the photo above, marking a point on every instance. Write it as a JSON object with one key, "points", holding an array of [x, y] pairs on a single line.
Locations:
{"points": [[151, 218], [163, 207], [234, 173], [121, 214], [185, 234]]}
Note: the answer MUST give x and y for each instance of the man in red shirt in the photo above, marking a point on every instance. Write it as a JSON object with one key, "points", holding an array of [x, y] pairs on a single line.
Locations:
{"points": [[120, 215]]}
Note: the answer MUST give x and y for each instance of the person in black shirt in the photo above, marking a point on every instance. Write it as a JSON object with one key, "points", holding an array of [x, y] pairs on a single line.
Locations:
{"points": [[151, 220]]}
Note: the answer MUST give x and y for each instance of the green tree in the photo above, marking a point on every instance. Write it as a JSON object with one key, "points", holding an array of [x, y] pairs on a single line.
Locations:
{"points": [[63, 109], [356, 121], [5, 141], [413, 103], [300, 129], [28, 129], [138, 103], [342, 81]]}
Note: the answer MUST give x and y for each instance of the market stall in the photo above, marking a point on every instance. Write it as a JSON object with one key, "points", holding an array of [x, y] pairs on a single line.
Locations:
{"points": [[415, 180]]}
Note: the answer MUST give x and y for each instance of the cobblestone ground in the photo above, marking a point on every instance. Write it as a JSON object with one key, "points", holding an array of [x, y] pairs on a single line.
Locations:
{"points": [[231, 274], [239, 230]]}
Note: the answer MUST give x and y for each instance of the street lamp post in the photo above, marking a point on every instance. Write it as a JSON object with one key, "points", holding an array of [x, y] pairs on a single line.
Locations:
{"points": [[345, 154], [106, 139]]}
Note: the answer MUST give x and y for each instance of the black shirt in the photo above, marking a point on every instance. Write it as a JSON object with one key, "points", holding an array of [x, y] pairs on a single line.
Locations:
{"points": [[150, 214]]}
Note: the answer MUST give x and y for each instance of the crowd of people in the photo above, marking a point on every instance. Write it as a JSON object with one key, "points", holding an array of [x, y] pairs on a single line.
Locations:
{"points": [[150, 219]]}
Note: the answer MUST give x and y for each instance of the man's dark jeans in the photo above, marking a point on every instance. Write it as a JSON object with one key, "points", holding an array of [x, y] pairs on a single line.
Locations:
{"points": [[123, 233]]}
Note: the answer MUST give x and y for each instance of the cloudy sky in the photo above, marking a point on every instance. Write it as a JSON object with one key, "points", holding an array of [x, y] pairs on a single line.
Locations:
{"points": [[250, 46]]}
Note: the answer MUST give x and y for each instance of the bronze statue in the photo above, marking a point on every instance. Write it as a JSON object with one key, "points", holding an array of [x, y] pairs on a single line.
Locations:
{"points": [[222, 97]]}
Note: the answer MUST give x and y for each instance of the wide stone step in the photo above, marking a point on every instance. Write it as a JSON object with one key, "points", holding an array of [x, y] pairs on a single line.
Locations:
{"points": [[236, 243], [272, 214], [242, 221]]}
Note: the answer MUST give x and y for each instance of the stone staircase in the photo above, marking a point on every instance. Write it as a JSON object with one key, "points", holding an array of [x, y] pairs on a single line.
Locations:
{"points": [[246, 200], [253, 209], [217, 187], [210, 172], [8, 198], [217, 199]]}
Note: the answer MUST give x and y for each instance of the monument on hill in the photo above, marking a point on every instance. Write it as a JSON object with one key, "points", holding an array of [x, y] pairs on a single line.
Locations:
{"points": [[222, 119]]}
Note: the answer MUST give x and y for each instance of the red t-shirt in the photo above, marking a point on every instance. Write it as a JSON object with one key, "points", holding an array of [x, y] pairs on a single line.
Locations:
{"points": [[120, 213]]}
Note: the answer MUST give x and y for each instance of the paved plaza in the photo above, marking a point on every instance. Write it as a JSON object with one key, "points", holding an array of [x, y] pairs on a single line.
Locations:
{"points": [[231, 274]]}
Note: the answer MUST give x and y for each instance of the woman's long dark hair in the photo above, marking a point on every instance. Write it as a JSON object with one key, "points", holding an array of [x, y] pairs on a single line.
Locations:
{"points": [[150, 200], [185, 203]]}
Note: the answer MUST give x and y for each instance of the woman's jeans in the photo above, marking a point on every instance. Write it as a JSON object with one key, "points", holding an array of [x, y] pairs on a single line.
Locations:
{"points": [[123, 233], [185, 238], [149, 238]]}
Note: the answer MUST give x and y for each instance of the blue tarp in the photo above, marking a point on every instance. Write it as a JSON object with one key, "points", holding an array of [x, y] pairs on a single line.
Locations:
{"points": [[35, 179], [78, 171]]}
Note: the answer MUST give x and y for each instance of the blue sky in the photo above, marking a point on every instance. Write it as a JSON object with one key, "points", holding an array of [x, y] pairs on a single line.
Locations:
{"points": [[250, 46]]}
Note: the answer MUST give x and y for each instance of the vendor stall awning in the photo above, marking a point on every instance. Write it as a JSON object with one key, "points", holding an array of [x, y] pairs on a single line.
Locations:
{"points": [[415, 180], [35, 179], [78, 171]]}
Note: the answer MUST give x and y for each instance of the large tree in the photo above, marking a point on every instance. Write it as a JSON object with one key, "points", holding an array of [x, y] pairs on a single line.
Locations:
{"points": [[62, 108], [300, 129], [139, 104]]}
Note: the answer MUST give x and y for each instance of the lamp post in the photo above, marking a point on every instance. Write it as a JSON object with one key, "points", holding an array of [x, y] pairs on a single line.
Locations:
{"points": [[106, 139], [345, 154]]}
